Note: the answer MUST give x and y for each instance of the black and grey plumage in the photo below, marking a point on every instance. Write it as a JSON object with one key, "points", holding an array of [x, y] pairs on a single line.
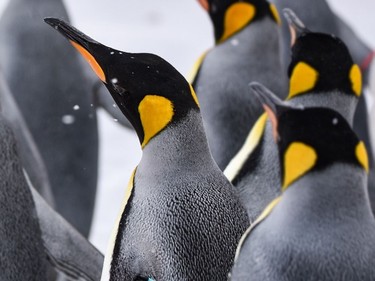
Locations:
{"points": [[322, 74], [180, 219], [21, 249], [321, 227], [68, 253], [247, 49], [36, 243], [56, 98], [28, 151], [319, 17]]}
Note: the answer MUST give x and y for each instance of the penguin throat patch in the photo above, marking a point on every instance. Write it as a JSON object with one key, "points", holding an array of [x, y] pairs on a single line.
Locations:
{"points": [[156, 113], [91, 60], [361, 154], [304, 78], [299, 158], [237, 17], [355, 77]]}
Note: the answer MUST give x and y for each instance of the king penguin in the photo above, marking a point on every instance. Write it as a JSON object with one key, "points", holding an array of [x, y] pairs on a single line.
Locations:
{"points": [[37, 243], [31, 159], [321, 227], [247, 49], [21, 244], [319, 16], [180, 218], [322, 73], [54, 94]]}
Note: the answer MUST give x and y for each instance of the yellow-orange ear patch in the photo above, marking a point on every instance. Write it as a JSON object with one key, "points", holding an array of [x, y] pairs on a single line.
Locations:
{"points": [[355, 77], [275, 13], [304, 77], [237, 17], [299, 158], [91, 60], [156, 113], [194, 95], [361, 154]]}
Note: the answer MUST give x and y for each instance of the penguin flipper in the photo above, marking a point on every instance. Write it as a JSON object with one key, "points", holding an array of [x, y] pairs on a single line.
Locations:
{"points": [[104, 100], [30, 156], [67, 251]]}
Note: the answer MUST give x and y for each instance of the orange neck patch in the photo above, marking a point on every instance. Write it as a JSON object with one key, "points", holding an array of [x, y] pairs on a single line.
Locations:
{"points": [[91, 60]]}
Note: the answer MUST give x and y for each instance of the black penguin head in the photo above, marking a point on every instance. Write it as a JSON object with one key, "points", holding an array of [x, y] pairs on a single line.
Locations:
{"points": [[231, 16], [320, 62], [150, 92], [310, 138]]}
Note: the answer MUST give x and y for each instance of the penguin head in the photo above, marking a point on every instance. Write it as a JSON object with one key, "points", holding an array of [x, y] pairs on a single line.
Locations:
{"points": [[320, 62], [231, 16], [309, 139], [150, 92]]}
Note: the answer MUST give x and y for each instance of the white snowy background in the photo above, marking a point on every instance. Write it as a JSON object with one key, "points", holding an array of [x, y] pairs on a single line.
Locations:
{"points": [[177, 30]]}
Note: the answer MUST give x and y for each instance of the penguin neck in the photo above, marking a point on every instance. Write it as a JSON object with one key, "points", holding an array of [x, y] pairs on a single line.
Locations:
{"points": [[345, 104], [182, 143], [219, 40], [251, 34], [337, 191]]}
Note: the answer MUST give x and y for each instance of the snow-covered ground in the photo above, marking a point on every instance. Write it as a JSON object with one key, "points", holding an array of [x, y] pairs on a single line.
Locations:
{"points": [[179, 31]]}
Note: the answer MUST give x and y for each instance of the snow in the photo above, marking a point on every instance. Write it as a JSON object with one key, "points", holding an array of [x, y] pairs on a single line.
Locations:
{"points": [[68, 119], [179, 31]]}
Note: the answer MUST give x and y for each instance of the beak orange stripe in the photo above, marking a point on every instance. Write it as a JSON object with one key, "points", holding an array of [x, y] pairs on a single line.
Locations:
{"points": [[91, 60], [204, 4]]}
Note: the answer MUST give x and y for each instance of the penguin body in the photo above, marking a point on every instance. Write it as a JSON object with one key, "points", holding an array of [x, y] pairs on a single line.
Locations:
{"points": [[29, 154], [180, 218], [50, 88], [68, 253], [319, 16], [21, 244], [321, 227], [254, 171], [181, 210], [36, 243], [250, 54]]}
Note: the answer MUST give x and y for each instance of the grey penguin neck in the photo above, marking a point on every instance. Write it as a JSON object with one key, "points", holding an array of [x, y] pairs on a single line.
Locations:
{"points": [[182, 144], [338, 191], [259, 187], [342, 103], [251, 43]]}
